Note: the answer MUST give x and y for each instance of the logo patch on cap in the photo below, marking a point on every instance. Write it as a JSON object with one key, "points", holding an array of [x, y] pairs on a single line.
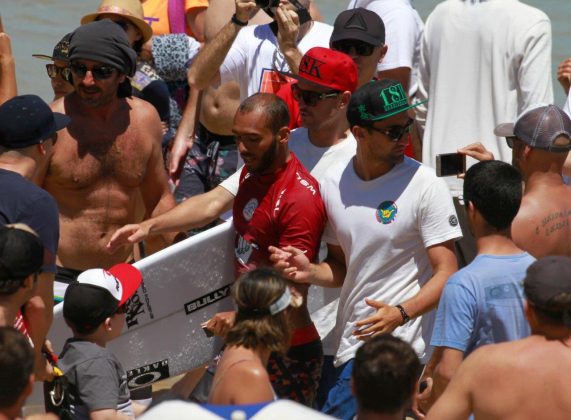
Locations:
{"points": [[394, 97], [310, 66], [356, 22], [386, 212]]}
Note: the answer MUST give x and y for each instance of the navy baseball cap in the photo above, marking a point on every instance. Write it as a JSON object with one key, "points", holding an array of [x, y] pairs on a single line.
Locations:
{"points": [[27, 120], [60, 53], [21, 253]]}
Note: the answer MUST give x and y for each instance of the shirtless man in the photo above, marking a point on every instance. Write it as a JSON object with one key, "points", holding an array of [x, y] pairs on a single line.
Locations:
{"points": [[540, 140], [108, 154], [524, 379]]}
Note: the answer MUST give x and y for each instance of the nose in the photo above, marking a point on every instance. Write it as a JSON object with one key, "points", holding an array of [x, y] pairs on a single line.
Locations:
{"points": [[88, 79]]}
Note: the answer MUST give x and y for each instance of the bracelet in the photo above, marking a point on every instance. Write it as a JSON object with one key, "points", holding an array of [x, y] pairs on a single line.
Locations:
{"points": [[236, 21], [403, 313]]}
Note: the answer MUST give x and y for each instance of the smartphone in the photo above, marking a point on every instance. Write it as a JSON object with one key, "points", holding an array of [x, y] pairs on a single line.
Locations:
{"points": [[448, 164], [208, 332]]}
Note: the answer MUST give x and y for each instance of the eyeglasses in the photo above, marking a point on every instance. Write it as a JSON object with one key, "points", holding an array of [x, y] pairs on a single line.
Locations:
{"points": [[54, 70], [346, 45], [310, 97], [394, 132], [121, 309], [99, 73]]}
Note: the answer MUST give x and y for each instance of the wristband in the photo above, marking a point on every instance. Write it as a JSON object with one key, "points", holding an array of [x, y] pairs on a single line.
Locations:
{"points": [[403, 313], [236, 21]]}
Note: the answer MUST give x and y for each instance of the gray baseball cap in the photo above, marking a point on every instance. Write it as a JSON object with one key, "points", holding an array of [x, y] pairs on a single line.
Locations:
{"points": [[540, 127]]}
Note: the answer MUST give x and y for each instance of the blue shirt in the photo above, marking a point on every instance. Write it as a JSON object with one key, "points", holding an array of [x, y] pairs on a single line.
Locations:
{"points": [[483, 304]]}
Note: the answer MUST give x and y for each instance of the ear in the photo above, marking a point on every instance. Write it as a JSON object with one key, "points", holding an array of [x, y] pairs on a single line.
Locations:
{"points": [[107, 324], [358, 132], [283, 135], [526, 151], [384, 50], [41, 148], [121, 77], [345, 98]]}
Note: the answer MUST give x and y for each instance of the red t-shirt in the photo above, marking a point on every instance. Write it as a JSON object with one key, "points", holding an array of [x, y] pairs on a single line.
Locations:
{"points": [[279, 209]]}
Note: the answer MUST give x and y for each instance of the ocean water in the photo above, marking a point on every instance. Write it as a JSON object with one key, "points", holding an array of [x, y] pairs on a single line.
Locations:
{"points": [[36, 25]]}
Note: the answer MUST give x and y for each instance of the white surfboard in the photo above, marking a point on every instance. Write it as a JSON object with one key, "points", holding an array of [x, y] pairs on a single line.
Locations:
{"points": [[183, 286]]}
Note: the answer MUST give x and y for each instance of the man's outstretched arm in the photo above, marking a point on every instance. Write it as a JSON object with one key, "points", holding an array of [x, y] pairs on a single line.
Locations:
{"points": [[192, 213]]}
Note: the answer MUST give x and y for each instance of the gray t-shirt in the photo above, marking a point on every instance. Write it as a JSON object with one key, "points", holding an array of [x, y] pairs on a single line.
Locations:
{"points": [[97, 379]]}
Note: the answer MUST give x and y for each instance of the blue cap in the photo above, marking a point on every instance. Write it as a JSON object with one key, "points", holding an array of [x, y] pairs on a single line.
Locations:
{"points": [[27, 120]]}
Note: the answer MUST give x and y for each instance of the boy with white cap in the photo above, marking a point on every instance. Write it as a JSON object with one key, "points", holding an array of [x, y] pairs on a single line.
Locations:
{"points": [[94, 308]]}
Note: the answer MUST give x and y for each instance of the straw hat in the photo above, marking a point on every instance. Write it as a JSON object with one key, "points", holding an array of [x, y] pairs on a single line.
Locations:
{"points": [[128, 9]]}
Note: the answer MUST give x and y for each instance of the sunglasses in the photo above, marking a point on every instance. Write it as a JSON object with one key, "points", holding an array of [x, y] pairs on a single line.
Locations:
{"points": [[99, 73], [510, 141], [310, 97], [346, 45], [54, 70], [394, 132]]}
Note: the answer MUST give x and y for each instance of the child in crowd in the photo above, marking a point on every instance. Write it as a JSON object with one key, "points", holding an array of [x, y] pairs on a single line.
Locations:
{"points": [[94, 308]]}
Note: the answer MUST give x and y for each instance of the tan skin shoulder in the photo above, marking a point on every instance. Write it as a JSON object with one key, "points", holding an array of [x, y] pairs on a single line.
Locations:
{"points": [[543, 224]]}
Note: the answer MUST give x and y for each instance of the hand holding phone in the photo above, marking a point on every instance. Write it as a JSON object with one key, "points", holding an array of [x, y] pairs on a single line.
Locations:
{"points": [[448, 164]]}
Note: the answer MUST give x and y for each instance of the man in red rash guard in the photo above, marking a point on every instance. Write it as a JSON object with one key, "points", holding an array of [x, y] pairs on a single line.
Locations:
{"points": [[278, 202]]}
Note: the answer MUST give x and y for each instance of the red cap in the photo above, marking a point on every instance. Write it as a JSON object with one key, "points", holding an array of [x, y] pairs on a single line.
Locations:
{"points": [[328, 68]]}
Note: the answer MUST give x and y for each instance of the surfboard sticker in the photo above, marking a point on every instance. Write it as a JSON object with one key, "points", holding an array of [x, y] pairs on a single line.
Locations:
{"points": [[146, 375], [208, 299]]}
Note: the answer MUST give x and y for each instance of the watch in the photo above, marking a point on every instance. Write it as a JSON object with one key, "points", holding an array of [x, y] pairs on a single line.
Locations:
{"points": [[403, 313], [237, 21]]}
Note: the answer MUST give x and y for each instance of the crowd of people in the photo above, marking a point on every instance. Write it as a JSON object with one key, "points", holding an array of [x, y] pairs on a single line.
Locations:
{"points": [[320, 142]]}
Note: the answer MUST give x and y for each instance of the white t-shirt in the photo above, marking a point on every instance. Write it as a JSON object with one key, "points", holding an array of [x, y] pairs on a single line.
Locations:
{"points": [[482, 64], [403, 32], [254, 58], [383, 227]]}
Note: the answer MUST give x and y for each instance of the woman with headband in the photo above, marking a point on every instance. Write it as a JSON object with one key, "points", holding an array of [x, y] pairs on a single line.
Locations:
{"points": [[262, 299]]}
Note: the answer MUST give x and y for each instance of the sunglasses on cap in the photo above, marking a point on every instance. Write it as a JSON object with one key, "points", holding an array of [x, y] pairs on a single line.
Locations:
{"points": [[54, 70], [310, 97], [361, 48], [99, 72], [395, 132]]}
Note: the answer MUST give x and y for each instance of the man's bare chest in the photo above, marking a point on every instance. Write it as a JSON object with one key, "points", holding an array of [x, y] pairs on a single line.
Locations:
{"points": [[97, 157]]}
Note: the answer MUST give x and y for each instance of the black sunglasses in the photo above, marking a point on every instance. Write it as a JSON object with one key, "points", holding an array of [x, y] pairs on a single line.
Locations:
{"points": [[54, 70], [394, 132], [346, 45], [99, 73], [310, 97]]}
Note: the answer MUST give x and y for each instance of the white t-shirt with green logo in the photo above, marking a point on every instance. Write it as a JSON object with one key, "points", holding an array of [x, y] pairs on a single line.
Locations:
{"points": [[384, 227]]}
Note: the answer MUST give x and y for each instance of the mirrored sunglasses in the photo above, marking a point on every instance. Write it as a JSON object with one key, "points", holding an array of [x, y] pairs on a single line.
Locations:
{"points": [[309, 97], [54, 70]]}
